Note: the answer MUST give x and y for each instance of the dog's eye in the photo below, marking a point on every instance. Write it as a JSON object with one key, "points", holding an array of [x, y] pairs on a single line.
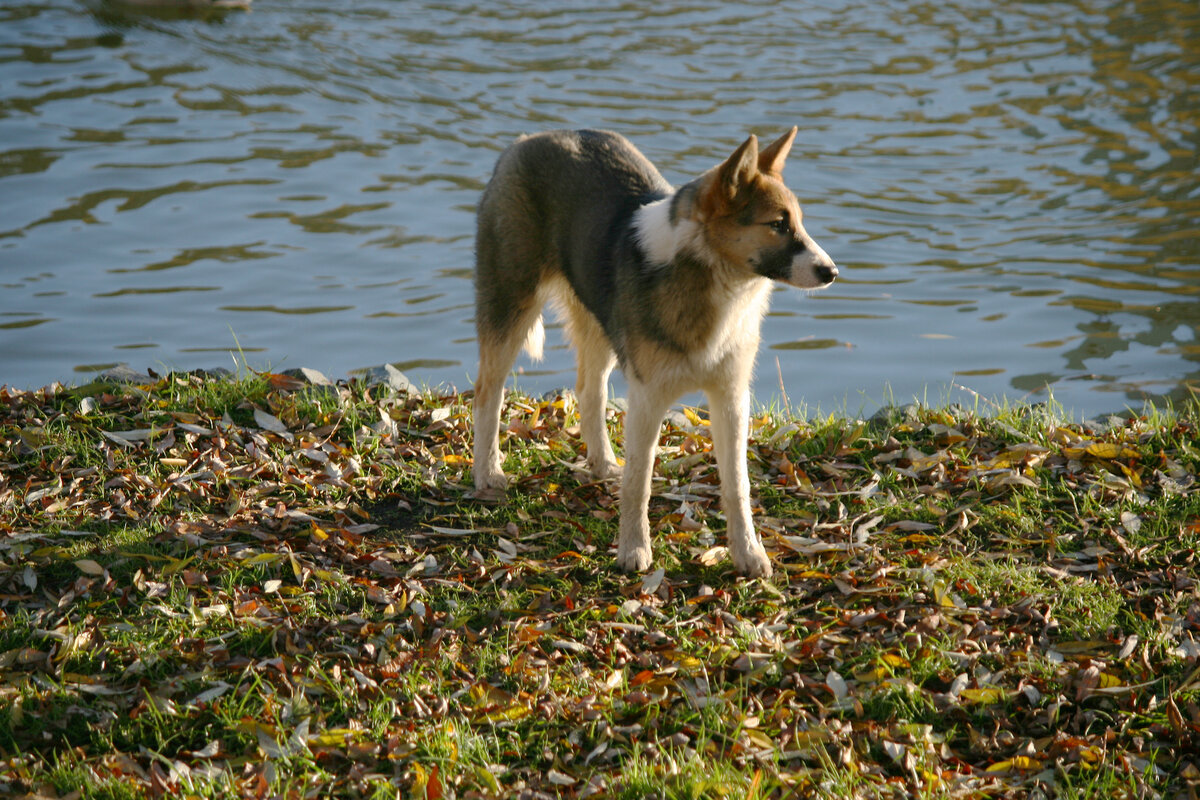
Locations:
{"points": [[781, 225]]}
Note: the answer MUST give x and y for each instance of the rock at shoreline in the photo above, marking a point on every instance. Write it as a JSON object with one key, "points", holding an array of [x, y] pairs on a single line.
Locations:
{"points": [[388, 375], [215, 372], [890, 416], [123, 373], [308, 375]]}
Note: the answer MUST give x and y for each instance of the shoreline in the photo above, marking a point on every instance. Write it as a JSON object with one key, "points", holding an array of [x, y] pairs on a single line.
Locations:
{"points": [[396, 380]]}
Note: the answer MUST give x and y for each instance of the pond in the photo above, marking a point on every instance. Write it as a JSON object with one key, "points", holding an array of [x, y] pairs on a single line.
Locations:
{"points": [[1009, 189]]}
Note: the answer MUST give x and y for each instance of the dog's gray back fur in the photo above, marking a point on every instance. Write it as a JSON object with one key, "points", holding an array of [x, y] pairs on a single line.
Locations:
{"points": [[562, 203]]}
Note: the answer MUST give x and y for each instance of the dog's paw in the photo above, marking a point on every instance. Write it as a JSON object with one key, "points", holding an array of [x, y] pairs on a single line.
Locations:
{"points": [[634, 559], [606, 471], [490, 479], [753, 564]]}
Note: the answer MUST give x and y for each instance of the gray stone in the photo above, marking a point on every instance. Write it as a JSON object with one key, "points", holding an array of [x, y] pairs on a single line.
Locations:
{"points": [[123, 373], [678, 419], [215, 372], [310, 375], [890, 416], [390, 376]]}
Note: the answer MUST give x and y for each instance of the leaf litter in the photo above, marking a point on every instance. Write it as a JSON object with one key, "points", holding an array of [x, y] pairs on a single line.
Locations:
{"points": [[253, 588]]}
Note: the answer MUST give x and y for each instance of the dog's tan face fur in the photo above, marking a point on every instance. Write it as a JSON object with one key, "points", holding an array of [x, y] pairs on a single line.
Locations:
{"points": [[753, 222]]}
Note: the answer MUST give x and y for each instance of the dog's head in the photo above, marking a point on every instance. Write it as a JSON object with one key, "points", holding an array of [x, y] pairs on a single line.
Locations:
{"points": [[753, 221]]}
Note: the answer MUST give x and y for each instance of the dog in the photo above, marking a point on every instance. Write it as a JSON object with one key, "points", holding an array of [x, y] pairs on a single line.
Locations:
{"points": [[672, 284]]}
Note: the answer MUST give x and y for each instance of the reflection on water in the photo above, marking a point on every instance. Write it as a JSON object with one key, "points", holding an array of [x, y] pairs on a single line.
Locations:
{"points": [[1010, 189]]}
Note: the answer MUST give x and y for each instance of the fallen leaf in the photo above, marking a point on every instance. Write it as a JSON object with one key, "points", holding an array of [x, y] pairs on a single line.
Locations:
{"points": [[1022, 763], [269, 422], [836, 684], [90, 567], [652, 581]]}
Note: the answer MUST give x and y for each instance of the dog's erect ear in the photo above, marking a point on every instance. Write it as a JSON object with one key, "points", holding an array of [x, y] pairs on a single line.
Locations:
{"points": [[739, 169], [771, 159]]}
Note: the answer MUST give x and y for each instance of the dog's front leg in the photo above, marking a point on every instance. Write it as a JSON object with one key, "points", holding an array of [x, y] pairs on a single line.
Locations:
{"points": [[643, 420], [730, 421]]}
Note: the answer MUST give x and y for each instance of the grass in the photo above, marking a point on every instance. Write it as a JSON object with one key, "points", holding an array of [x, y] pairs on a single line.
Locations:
{"points": [[215, 587]]}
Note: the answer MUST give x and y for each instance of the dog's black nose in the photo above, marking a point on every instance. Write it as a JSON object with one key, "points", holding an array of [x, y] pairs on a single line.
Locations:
{"points": [[827, 274]]}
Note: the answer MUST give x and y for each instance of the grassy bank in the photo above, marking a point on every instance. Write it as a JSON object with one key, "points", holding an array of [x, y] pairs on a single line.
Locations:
{"points": [[256, 588]]}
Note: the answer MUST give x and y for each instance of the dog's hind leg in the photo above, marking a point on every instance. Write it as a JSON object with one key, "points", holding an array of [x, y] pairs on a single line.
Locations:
{"points": [[730, 416], [647, 406], [512, 264], [498, 348], [596, 361]]}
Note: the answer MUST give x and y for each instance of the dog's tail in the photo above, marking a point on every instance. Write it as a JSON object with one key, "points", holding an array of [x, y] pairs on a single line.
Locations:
{"points": [[535, 339]]}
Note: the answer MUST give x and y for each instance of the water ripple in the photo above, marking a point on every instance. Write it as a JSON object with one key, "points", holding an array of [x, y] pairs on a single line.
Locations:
{"points": [[1010, 188]]}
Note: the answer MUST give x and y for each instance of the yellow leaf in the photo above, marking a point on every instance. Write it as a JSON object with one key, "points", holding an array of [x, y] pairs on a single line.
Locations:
{"points": [[895, 660], [254, 727], [487, 779], [985, 696], [1063, 436], [175, 565], [1109, 681], [336, 737], [1103, 450], [684, 661], [90, 567], [1020, 762], [941, 593], [1086, 646], [758, 739], [509, 713], [486, 694], [263, 558], [143, 556], [1005, 460], [1135, 476], [420, 781], [873, 674], [1108, 450], [318, 534]]}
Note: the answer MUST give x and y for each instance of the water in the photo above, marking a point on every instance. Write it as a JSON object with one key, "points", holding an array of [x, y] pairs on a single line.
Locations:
{"points": [[1010, 189]]}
